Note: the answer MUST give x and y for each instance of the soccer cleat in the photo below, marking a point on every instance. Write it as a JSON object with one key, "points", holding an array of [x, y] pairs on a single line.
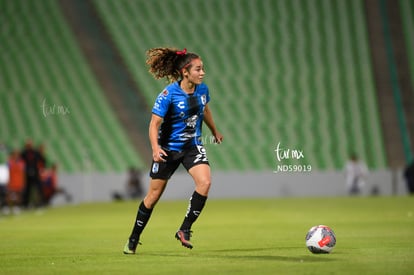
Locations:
{"points": [[130, 247], [184, 237]]}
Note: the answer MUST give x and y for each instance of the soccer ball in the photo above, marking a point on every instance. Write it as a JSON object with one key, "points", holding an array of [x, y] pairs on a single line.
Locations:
{"points": [[320, 239]]}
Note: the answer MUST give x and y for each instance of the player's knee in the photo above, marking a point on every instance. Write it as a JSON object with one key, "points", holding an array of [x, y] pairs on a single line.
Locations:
{"points": [[203, 185], [152, 198], [207, 183], [150, 202]]}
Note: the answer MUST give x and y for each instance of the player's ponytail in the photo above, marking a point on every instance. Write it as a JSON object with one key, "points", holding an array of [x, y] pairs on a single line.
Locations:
{"points": [[169, 62]]}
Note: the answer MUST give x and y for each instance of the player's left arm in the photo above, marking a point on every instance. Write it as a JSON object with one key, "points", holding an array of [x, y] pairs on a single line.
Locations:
{"points": [[208, 119]]}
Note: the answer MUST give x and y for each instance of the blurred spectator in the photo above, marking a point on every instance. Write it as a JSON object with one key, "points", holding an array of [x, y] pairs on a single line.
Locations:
{"points": [[133, 187], [3, 173], [50, 186], [355, 173], [16, 182], [41, 149], [409, 177], [34, 163], [4, 179]]}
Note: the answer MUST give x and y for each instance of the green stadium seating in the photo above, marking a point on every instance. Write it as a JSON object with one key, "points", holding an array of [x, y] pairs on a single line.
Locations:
{"points": [[289, 71], [279, 71], [407, 14], [41, 65]]}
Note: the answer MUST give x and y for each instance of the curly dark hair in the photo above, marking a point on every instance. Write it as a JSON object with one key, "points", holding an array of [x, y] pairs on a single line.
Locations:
{"points": [[169, 62]]}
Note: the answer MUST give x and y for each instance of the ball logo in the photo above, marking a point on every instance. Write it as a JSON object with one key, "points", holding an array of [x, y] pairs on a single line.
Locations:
{"points": [[324, 241]]}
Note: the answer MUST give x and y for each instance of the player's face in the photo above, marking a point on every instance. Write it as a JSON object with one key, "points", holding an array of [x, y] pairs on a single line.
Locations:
{"points": [[196, 72]]}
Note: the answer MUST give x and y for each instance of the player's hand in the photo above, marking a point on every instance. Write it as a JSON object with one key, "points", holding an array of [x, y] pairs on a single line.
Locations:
{"points": [[158, 155], [218, 137]]}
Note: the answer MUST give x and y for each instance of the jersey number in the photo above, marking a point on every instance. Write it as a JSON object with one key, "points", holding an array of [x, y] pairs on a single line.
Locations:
{"points": [[201, 156]]}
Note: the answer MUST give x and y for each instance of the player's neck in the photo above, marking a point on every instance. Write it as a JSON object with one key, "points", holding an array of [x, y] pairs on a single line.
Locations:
{"points": [[187, 87]]}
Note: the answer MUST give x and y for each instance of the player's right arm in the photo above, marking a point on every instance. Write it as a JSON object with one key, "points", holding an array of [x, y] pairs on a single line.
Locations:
{"points": [[154, 126]]}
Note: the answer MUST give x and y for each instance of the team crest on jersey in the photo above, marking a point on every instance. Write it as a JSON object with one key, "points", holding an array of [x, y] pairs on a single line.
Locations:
{"points": [[191, 121], [204, 99], [165, 92]]}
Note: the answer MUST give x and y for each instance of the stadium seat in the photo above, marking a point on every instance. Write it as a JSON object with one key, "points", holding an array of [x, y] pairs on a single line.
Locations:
{"points": [[407, 13]]}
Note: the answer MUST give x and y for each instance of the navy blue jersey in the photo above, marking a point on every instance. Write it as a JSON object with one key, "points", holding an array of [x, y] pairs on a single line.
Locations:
{"points": [[183, 116]]}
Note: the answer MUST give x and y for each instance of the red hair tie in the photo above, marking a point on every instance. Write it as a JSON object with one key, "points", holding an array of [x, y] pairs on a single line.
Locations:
{"points": [[183, 52]]}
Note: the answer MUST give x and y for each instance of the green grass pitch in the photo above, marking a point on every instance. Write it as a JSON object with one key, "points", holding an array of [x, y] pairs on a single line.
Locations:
{"points": [[246, 236]]}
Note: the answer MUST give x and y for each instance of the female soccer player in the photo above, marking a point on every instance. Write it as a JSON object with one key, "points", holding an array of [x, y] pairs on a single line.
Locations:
{"points": [[175, 136]]}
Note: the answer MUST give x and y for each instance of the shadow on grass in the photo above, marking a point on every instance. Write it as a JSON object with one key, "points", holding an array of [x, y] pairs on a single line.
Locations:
{"points": [[261, 254]]}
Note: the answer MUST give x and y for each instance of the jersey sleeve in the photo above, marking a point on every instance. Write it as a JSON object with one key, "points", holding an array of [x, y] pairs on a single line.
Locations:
{"points": [[208, 96], [205, 94], [162, 103]]}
